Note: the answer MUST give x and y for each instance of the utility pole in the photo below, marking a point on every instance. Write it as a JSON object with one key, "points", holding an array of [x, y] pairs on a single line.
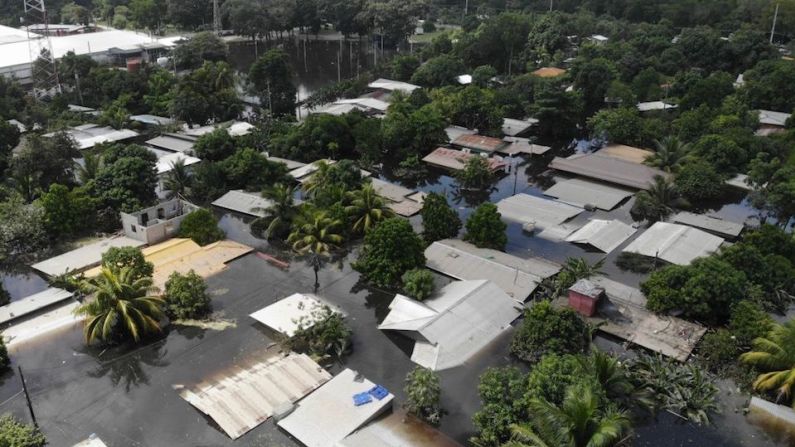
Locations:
{"points": [[216, 18], [27, 397], [550, 5], [773, 29]]}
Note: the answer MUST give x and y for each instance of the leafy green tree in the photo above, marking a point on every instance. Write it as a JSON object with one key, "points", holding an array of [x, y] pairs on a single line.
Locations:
{"points": [[9, 138], [503, 403], [704, 290], [368, 137], [14, 433], [403, 66], [247, 17], [593, 77], [658, 202], [67, 212], [148, 13], [390, 250], [116, 259], [670, 154], [725, 155], [204, 46], [186, 296], [622, 125], [574, 269], [557, 110], [438, 71], [42, 162], [748, 322], [482, 75], [697, 180], [409, 131], [418, 283], [207, 94], [322, 334], [272, 80], [367, 209], [485, 228], [774, 188], [127, 178], [314, 139], [473, 108], [120, 307], [250, 170], [774, 355], [476, 174], [423, 395], [214, 146], [552, 375], [277, 218], [5, 298], [769, 85], [159, 92], [546, 330], [179, 180], [315, 234], [22, 230], [201, 226], [439, 221]]}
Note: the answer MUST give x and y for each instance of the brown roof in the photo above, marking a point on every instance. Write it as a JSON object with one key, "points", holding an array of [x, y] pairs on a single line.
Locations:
{"points": [[626, 153], [479, 142], [608, 169], [549, 72], [453, 159]]}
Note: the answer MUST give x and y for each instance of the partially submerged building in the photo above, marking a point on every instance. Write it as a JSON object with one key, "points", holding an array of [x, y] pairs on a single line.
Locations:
{"points": [[674, 243], [653, 106], [244, 202], [609, 169], [714, 225], [456, 160], [89, 135], [451, 327], [84, 257], [156, 223], [771, 122], [289, 314], [626, 153], [604, 235], [513, 127], [588, 193], [548, 218], [479, 144]]}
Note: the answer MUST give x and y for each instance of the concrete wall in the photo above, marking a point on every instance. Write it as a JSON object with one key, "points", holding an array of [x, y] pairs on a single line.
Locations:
{"points": [[156, 223]]}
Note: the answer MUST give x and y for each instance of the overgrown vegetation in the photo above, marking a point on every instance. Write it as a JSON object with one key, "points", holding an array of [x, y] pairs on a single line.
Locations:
{"points": [[186, 296]]}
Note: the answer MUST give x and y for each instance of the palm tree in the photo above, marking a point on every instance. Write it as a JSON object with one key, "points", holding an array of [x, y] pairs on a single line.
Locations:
{"points": [[775, 355], [316, 235], [613, 377], [366, 208], [580, 421], [658, 202], [90, 167], [319, 178], [670, 153], [178, 180], [574, 269], [279, 216], [120, 307]]}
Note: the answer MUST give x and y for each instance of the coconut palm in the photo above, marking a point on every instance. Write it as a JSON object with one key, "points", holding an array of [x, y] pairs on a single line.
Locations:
{"points": [[580, 421], [366, 208], [775, 355], [315, 234], [178, 180], [670, 153], [574, 269], [90, 167], [658, 202], [614, 379], [318, 179], [120, 307], [279, 216]]}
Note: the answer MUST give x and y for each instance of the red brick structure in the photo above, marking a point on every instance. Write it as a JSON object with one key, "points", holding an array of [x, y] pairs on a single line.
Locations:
{"points": [[584, 297]]}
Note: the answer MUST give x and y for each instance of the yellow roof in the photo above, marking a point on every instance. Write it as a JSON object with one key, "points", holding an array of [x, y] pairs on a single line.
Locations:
{"points": [[549, 72]]}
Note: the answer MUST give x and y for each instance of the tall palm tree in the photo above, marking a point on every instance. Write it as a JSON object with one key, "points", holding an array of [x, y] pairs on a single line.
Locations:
{"points": [[315, 234], [574, 269], [670, 153], [580, 421], [775, 355], [658, 202], [178, 180], [366, 208], [279, 216], [120, 307], [90, 167], [319, 178], [614, 379]]}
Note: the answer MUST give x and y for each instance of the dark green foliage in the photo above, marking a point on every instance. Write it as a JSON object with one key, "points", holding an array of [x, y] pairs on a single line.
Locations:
{"points": [[698, 180], [323, 334], [418, 283], [439, 221], [186, 296], [42, 162], [438, 71], [720, 151], [248, 169], [770, 85], [5, 297], [9, 138], [67, 213], [205, 46], [403, 67], [318, 136], [409, 131], [423, 395], [16, 434], [207, 94], [22, 231], [476, 174], [473, 108], [502, 393], [272, 79], [201, 226], [593, 77], [748, 321], [552, 375], [119, 258], [127, 179], [546, 330], [718, 350], [705, 290], [391, 249], [637, 263], [485, 228], [214, 146]]}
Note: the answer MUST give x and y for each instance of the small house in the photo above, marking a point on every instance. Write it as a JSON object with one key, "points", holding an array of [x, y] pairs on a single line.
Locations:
{"points": [[584, 297], [156, 223]]}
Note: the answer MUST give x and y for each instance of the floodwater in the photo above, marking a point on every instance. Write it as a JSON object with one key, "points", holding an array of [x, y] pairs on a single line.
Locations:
{"points": [[21, 281]]}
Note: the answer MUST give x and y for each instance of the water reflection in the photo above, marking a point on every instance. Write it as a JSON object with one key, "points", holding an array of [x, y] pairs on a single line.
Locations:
{"points": [[123, 365]]}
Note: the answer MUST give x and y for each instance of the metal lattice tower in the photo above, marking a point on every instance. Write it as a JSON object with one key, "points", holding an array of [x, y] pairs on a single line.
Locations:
{"points": [[216, 17], [44, 70]]}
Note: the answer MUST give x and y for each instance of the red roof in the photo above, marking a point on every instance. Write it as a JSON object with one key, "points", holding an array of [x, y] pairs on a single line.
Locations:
{"points": [[453, 159], [479, 142]]}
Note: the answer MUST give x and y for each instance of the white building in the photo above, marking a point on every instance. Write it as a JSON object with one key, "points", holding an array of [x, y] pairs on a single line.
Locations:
{"points": [[156, 223]]}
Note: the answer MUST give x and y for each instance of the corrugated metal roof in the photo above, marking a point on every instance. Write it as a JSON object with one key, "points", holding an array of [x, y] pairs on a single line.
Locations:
{"points": [[609, 169], [328, 415], [620, 293], [582, 192], [655, 105], [549, 72], [479, 142], [626, 153], [165, 162], [152, 120], [456, 160], [739, 181], [525, 208], [709, 223], [468, 316], [88, 136], [513, 127], [171, 143], [677, 244], [368, 103], [54, 318], [285, 315], [454, 132], [244, 202], [399, 429], [306, 170], [249, 396], [518, 277], [518, 145], [81, 258], [606, 235], [772, 118], [585, 287], [33, 303], [390, 191], [291, 164], [390, 85]]}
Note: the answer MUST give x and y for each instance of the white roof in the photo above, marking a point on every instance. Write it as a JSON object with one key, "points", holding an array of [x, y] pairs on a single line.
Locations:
{"points": [[306, 170], [338, 109], [52, 319], [152, 120], [250, 395], [398, 430], [390, 191], [519, 145], [461, 319], [32, 303], [464, 79], [244, 202], [10, 35], [512, 127], [21, 127], [531, 209], [454, 132], [655, 105], [739, 181], [240, 128], [518, 277], [89, 135], [581, 192], [772, 118], [618, 292], [605, 235], [328, 415], [18, 53], [285, 315], [172, 143], [166, 161], [390, 85], [599, 37], [709, 223], [92, 441], [81, 258], [291, 164], [677, 244], [370, 103]]}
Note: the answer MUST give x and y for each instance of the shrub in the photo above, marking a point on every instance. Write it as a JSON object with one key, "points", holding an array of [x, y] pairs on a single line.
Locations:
{"points": [[551, 376], [117, 258], [718, 350], [5, 360], [439, 221], [390, 249], [748, 321], [698, 180], [423, 395], [418, 283], [546, 330], [636, 263], [16, 434], [186, 296], [323, 334], [201, 226], [485, 228]]}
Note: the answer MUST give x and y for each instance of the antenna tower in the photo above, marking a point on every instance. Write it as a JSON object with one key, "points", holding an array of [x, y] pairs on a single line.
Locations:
{"points": [[44, 70]]}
